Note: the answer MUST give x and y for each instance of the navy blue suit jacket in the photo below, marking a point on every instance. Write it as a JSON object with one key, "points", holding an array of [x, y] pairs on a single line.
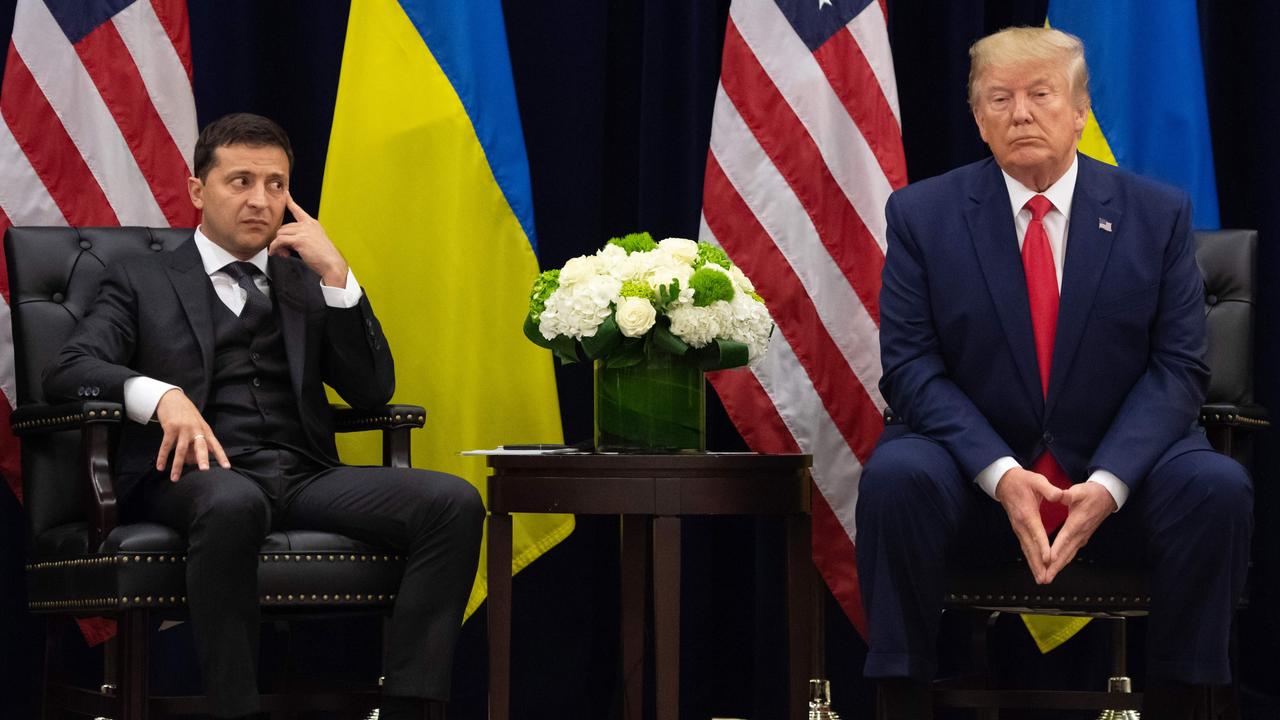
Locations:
{"points": [[1128, 375]]}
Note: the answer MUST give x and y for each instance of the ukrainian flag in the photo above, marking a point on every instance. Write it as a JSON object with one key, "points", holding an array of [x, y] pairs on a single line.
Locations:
{"points": [[1149, 116], [426, 192], [1147, 83]]}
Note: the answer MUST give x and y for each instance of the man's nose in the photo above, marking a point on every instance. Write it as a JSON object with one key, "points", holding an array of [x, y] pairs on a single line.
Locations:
{"points": [[258, 195], [1021, 109]]}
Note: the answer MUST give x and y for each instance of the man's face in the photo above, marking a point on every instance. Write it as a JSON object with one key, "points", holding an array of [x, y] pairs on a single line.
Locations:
{"points": [[242, 198], [1027, 116]]}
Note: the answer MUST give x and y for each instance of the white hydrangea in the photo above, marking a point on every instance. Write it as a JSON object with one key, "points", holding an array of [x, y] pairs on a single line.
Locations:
{"points": [[697, 326], [749, 323], [578, 309]]}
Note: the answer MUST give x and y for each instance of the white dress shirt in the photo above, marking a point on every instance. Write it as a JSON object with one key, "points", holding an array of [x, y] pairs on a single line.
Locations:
{"points": [[1056, 223], [142, 394]]}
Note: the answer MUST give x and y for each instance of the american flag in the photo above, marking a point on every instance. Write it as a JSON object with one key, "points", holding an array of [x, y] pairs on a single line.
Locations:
{"points": [[97, 127], [806, 146]]}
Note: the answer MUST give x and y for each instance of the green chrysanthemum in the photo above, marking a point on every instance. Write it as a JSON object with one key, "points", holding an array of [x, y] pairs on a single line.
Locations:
{"points": [[543, 286], [638, 289], [709, 286], [635, 242], [708, 253]]}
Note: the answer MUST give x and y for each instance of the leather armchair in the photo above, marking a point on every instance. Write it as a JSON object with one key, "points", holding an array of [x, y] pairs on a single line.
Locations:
{"points": [[83, 561], [1227, 259]]}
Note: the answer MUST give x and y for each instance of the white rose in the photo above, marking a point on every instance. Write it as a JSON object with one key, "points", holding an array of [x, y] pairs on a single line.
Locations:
{"points": [[681, 250], [740, 280], [578, 270], [635, 316], [664, 274]]}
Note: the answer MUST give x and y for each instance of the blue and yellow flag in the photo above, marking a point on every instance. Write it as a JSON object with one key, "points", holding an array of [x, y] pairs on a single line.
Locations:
{"points": [[1146, 79], [427, 194], [1149, 116]]}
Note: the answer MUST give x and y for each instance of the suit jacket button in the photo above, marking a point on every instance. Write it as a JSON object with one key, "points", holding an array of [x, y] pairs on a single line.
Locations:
{"points": [[93, 392], [257, 382], [80, 391], [1047, 438]]}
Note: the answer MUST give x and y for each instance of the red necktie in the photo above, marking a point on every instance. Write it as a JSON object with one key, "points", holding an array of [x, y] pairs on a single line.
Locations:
{"points": [[1042, 291]]}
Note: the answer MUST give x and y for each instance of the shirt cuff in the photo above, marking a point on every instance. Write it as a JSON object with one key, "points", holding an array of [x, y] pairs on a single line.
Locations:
{"points": [[342, 298], [1119, 491], [142, 395], [990, 476]]}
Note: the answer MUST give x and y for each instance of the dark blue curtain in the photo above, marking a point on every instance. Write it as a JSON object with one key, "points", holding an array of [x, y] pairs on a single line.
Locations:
{"points": [[616, 101]]}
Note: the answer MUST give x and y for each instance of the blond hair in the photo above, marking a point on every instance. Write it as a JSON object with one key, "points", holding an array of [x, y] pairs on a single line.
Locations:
{"points": [[1024, 45]]}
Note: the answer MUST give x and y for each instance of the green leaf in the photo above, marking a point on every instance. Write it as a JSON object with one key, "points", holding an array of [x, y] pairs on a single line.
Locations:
{"points": [[607, 337], [562, 346], [720, 355], [665, 340], [631, 353]]}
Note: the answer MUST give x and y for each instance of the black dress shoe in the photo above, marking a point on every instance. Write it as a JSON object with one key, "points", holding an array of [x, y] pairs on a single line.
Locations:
{"points": [[905, 699]]}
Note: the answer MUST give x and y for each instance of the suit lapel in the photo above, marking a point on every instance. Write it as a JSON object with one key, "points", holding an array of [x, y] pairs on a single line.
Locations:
{"points": [[1095, 224], [287, 288], [191, 283], [995, 239]]}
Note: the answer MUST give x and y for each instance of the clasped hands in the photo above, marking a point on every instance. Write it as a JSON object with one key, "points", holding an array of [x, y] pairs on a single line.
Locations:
{"points": [[1088, 504]]}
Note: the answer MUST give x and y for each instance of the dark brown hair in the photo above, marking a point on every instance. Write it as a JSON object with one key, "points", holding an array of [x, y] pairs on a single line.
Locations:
{"points": [[238, 129]]}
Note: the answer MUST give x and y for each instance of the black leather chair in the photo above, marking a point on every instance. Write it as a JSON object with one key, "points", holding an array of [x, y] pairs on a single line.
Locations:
{"points": [[83, 562], [1227, 258]]}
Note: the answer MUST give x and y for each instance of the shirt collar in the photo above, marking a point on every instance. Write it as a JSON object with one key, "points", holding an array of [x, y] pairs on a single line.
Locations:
{"points": [[215, 257], [1060, 193]]}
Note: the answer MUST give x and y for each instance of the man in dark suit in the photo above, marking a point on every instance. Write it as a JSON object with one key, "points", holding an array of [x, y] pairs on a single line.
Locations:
{"points": [[219, 351], [1042, 339]]}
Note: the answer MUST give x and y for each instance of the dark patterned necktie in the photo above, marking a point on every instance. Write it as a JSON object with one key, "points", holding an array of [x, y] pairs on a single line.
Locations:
{"points": [[257, 306]]}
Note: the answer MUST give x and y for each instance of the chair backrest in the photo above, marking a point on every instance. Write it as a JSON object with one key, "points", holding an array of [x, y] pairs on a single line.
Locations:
{"points": [[1227, 259], [54, 273]]}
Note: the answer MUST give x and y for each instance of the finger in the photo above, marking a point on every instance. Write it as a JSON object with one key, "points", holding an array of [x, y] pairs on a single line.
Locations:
{"points": [[165, 445], [201, 446], [281, 245], [294, 208], [218, 453], [179, 459], [1048, 490]]}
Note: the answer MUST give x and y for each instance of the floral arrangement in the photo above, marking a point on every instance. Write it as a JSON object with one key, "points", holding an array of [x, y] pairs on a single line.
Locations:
{"points": [[635, 298]]}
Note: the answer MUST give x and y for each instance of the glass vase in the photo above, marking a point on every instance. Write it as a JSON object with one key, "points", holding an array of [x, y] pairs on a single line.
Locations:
{"points": [[658, 406]]}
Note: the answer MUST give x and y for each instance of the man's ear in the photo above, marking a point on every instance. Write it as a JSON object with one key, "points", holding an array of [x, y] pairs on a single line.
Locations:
{"points": [[195, 189]]}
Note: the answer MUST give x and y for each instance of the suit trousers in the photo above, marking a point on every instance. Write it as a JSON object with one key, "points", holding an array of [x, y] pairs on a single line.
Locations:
{"points": [[434, 519], [1189, 522]]}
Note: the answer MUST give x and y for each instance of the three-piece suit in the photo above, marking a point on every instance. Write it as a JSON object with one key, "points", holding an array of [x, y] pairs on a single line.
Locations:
{"points": [[258, 381]]}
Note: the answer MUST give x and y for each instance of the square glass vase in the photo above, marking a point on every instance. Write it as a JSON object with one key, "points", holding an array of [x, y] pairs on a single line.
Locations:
{"points": [[657, 407]]}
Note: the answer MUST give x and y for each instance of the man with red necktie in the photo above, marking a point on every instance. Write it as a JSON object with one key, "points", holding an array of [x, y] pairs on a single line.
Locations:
{"points": [[1042, 339]]}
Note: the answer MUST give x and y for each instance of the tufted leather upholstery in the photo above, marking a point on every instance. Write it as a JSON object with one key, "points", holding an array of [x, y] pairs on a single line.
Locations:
{"points": [[81, 561]]}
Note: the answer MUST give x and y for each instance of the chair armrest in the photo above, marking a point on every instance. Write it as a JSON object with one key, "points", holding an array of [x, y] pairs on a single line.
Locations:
{"points": [[395, 422], [1229, 415], [33, 419], [96, 421]]}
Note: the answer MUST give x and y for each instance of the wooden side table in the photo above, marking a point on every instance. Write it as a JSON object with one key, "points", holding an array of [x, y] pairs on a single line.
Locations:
{"points": [[657, 490]]}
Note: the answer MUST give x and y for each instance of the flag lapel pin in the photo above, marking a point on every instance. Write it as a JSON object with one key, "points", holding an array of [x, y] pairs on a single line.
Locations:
{"points": [[1104, 225]]}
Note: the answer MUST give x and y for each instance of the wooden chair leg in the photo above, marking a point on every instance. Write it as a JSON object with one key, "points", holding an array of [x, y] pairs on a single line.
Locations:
{"points": [[132, 667]]}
